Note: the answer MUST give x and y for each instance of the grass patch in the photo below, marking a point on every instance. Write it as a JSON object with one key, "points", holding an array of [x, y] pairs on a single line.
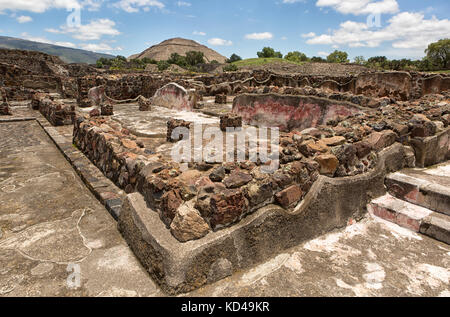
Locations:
{"points": [[442, 71], [263, 61]]}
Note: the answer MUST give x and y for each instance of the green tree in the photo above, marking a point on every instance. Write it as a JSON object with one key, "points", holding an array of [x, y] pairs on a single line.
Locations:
{"points": [[177, 59], [317, 59], [104, 61], [338, 57], [268, 52], [360, 60], [380, 62], [194, 58], [439, 53], [163, 65], [148, 60], [118, 63], [234, 58], [296, 57], [425, 65]]}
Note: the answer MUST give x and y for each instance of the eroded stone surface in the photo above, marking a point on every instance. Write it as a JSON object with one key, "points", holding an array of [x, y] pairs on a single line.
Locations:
{"points": [[357, 261], [49, 220]]}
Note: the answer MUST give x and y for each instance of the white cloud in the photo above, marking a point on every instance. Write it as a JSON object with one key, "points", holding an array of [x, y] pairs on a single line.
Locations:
{"points": [[323, 54], [259, 36], [132, 6], [405, 30], [24, 19], [92, 5], [219, 42], [40, 6], [28, 37], [293, 1], [99, 47], [308, 35], [183, 4], [358, 7], [199, 33], [87, 32]]}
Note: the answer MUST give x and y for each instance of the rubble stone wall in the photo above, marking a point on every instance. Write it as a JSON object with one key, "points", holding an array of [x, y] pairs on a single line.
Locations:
{"points": [[56, 112]]}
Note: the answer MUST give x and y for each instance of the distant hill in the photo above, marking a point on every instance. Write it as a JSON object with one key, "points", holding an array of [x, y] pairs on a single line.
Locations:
{"points": [[68, 55], [181, 46]]}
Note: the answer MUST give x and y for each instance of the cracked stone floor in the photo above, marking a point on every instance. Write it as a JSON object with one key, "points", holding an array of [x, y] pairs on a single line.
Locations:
{"points": [[49, 220]]}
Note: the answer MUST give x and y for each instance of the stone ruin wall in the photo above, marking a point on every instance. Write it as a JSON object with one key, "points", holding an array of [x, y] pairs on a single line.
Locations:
{"points": [[23, 73], [343, 146]]}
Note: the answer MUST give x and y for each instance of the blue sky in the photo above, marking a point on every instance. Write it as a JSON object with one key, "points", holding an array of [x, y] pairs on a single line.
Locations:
{"points": [[394, 28]]}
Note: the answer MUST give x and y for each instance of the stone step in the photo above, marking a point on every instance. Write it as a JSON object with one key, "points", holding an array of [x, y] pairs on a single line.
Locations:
{"points": [[413, 217], [429, 188]]}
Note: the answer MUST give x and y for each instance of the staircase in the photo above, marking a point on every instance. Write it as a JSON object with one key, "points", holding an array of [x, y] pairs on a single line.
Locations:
{"points": [[418, 199]]}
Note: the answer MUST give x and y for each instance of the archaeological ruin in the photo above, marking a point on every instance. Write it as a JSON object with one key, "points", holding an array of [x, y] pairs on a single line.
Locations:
{"points": [[334, 141]]}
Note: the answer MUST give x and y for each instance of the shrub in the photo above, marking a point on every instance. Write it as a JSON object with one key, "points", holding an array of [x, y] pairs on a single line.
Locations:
{"points": [[177, 59], [360, 60], [163, 65], [338, 57], [234, 58], [194, 58], [317, 59], [296, 57], [147, 60], [230, 68], [268, 52]]}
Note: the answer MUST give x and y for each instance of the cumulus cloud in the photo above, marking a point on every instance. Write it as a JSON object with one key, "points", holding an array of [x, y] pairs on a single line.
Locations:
{"points": [[28, 37], [358, 7], [308, 35], [259, 36], [99, 47], [199, 33], [91, 31], [24, 19], [219, 42], [405, 30], [132, 6], [40, 6]]}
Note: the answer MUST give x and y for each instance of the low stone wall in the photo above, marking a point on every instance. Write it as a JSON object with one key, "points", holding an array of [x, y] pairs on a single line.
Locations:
{"points": [[432, 150], [4, 106], [56, 112], [396, 85], [290, 112], [220, 194], [220, 218], [435, 84], [400, 86], [180, 268]]}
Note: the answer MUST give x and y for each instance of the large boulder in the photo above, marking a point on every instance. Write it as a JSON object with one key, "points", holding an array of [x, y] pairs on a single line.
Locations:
{"points": [[174, 96]]}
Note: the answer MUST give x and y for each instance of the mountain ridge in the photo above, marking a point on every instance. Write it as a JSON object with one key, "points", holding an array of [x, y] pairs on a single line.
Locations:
{"points": [[66, 54]]}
